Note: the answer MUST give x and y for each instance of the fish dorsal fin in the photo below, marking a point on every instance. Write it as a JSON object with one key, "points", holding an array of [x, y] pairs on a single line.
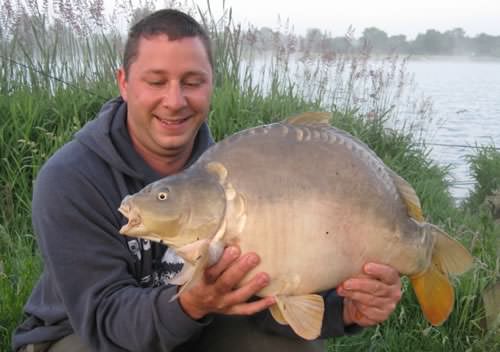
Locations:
{"points": [[309, 118], [409, 196], [304, 314]]}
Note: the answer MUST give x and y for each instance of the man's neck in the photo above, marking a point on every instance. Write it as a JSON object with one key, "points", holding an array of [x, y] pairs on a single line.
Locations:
{"points": [[167, 164]]}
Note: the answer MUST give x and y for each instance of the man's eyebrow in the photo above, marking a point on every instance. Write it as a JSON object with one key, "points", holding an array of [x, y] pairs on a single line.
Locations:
{"points": [[188, 73], [196, 73], [155, 71]]}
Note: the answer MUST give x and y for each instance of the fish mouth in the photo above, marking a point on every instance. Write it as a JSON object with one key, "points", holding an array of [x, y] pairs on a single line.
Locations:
{"points": [[133, 226]]}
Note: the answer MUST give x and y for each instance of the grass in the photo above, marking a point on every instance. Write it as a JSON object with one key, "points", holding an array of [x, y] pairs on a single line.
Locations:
{"points": [[39, 112], [485, 167]]}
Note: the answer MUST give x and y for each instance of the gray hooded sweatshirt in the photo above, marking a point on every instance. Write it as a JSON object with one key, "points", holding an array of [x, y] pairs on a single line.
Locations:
{"points": [[107, 288]]}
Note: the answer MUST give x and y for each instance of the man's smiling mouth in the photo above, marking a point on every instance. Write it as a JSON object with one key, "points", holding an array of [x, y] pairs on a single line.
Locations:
{"points": [[172, 122]]}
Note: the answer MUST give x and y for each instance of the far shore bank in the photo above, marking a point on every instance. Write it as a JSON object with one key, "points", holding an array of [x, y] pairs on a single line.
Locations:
{"points": [[377, 56]]}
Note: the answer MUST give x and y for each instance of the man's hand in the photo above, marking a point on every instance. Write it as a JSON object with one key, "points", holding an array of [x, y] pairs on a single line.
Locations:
{"points": [[370, 298], [217, 292]]}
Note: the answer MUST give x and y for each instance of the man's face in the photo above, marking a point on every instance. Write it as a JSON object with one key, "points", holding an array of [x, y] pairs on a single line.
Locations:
{"points": [[168, 90]]}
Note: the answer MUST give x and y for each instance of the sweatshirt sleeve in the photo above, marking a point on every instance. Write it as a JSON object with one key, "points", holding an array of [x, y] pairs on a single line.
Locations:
{"points": [[77, 229], [333, 323]]}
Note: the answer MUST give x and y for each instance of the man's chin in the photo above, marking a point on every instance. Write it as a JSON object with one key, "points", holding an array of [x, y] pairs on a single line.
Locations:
{"points": [[174, 145]]}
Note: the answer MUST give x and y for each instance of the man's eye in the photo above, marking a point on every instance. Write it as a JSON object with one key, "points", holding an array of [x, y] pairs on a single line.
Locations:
{"points": [[193, 83], [155, 83]]}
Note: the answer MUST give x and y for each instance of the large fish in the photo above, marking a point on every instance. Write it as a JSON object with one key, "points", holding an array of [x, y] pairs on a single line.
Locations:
{"points": [[315, 203]]}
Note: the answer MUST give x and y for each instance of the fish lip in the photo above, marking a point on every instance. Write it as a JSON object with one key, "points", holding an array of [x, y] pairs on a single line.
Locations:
{"points": [[133, 216], [124, 209]]}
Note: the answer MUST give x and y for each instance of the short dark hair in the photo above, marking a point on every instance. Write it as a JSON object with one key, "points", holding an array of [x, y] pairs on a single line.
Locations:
{"points": [[172, 23]]}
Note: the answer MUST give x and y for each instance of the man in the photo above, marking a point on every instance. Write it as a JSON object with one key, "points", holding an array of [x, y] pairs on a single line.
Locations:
{"points": [[101, 291]]}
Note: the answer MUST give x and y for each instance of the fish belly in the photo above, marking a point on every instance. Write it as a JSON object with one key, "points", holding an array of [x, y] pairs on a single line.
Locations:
{"points": [[313, 252]]}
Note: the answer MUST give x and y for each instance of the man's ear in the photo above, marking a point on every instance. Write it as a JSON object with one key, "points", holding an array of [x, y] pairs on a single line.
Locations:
{"points": [[121, 79]]}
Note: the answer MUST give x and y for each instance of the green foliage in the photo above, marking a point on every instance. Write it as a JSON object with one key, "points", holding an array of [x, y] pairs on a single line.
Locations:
{"points": [[20, 267], [485, 168]]}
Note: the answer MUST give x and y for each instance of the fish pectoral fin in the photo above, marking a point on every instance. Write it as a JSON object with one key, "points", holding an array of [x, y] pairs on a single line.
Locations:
{"points": [[276, 313], [198, 255], [449, 255], [216, 245], [215, 250], [435, 294], [183, 276], [304, 314], [309, 118], [192, 251], [197, 272], [409, 197]]}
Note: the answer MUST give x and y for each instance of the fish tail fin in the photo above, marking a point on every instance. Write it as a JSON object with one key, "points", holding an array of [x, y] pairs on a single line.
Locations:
{"points": [[432, 287], [450, 256], [303, 313], [435, 295]]}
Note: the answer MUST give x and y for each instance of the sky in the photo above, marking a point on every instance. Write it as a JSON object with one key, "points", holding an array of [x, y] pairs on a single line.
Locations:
{"points": [[408, 17]]}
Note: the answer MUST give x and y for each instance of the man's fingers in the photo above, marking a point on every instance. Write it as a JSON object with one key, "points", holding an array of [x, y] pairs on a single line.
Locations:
{"points": [[229, 256], [369, 286], [248, 290], [368, 299], [235, 273], [384, 273], [364, 321], [353, 310], [252, 307], [370, 314], [372, 296], [223, 291]]}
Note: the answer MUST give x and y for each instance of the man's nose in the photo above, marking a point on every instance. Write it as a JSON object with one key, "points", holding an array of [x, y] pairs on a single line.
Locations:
{"points": [[174, 98]]}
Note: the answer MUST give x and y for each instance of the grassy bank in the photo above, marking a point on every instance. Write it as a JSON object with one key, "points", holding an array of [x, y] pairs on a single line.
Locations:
{"points": [[39, 112]]}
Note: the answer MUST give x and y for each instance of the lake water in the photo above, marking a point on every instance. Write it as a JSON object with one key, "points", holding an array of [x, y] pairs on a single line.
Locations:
{"points": [[465, 98], [466, 108]]}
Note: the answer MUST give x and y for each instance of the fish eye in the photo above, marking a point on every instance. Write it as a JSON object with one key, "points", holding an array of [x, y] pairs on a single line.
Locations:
{"points": [[162, 195]]}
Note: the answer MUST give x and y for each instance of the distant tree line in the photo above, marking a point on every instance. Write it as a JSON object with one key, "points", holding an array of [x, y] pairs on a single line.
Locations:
{"points": [[432, 42], [17, 22]]}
